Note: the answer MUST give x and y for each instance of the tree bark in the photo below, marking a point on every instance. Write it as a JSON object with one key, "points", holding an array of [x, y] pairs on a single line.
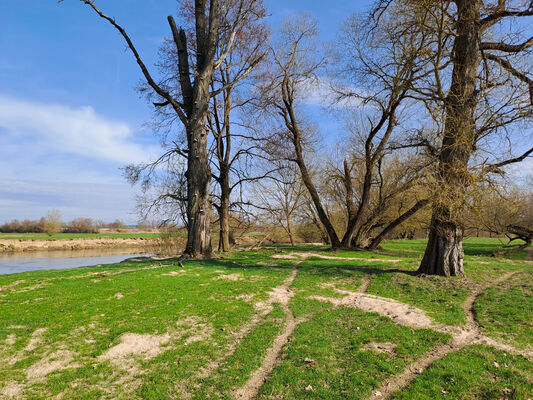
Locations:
{"points": [[444, 252], [198, 179]]}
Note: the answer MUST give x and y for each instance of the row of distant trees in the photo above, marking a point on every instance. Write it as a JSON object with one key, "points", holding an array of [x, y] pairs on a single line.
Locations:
{"points": [[52, 224]]}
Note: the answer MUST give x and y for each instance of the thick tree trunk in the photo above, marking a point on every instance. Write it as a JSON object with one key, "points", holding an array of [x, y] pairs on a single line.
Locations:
{"points": [[198, 173], [444, 251], [198, 204], [323, 217]]}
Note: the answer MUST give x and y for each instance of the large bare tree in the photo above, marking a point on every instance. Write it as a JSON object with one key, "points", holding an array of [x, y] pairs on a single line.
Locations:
{"points": [[199, 53]]}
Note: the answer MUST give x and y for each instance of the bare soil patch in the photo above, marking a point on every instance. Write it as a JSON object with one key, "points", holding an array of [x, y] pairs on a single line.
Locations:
{"points": [[56, 361], [12, 391], [147, 346], [387, 348]]}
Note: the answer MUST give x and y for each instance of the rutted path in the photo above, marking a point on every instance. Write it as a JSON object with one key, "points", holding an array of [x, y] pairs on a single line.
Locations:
{"points": [[282, 295], [461, 337], [407, 315]]}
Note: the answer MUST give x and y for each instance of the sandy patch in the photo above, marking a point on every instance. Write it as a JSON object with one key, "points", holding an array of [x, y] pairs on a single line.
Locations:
{"points": [[174, 273], [11, 285], [230, 277], [401, 313], [387, 348], [12, 391], [36, 339], [245, 297], [57, 361], [11, 339], [266, 264], [285, 256], [295, 255], [147, 346], [118, 296]]}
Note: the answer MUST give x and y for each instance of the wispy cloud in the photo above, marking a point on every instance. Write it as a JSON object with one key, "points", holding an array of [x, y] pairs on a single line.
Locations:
{"points": [[78, 131]]}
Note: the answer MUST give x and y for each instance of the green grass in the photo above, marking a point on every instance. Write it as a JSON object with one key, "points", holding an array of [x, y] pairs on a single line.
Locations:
{"points": [[477, 372], [504, 311], [68, 236], [193, 315]]}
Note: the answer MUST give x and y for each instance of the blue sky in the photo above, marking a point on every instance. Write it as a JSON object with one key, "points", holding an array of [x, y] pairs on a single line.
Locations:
{"points": [[69, 113]]}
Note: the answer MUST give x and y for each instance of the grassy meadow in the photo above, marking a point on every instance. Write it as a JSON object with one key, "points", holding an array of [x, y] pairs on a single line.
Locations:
{"points": [[276, 323]]}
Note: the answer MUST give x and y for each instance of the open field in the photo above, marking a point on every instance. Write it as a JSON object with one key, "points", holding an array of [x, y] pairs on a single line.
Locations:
{"points": [[282, 322]]}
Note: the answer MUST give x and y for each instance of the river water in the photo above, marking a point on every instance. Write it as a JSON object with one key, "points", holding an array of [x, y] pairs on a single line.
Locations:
{"points": [[60, 259]]}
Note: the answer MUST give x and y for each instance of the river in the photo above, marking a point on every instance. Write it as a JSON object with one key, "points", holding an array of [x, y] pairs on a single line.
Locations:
{"points": [[60, 259]]}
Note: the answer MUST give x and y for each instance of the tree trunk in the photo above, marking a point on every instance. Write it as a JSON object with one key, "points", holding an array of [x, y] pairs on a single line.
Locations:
{"points": [[289, 231], [198, 172], [444, 251], [223, 243], [198, 204]]}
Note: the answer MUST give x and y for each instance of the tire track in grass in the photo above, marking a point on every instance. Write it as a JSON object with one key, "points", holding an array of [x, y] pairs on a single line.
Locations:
{"points": [[283, 295]]}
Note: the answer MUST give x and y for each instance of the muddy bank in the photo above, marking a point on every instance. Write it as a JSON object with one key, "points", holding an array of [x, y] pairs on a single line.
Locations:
{"points": [[77, 244]]}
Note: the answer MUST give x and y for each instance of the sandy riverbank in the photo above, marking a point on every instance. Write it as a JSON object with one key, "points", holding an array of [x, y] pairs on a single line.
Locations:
{"points": [[75, 244]]}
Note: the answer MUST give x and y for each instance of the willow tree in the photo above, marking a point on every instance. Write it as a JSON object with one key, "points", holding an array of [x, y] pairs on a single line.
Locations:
{"points": [[199, 52], [477, 91]]}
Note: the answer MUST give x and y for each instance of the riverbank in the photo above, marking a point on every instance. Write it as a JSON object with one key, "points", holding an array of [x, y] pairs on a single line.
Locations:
{"points": [[23, 245]]}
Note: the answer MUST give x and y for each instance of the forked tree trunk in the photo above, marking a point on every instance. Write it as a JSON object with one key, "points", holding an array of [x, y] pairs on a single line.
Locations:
{"points": [[289, 231], [444, 251]]}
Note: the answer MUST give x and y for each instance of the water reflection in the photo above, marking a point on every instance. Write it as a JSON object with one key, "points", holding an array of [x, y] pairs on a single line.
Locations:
{"points": [[60, 259]]}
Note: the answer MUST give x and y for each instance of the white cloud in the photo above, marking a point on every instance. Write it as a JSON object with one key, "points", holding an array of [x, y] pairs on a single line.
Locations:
{"points": [[78, 131]]}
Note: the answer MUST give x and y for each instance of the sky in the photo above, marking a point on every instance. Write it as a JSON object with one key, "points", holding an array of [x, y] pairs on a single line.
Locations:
{"points": [[70, 117]]}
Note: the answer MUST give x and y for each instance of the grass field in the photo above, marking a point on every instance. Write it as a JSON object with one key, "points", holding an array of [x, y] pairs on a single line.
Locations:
{"points": [[291, 323]]}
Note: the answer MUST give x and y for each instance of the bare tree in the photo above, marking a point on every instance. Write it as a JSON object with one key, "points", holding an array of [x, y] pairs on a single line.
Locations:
{"points": [[386, 62], [234, 143], [216, 24], [281, 196]]}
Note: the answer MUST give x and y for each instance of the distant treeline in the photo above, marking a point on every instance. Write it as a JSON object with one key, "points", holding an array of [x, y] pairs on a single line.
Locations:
{"points": [[78, 225]]}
